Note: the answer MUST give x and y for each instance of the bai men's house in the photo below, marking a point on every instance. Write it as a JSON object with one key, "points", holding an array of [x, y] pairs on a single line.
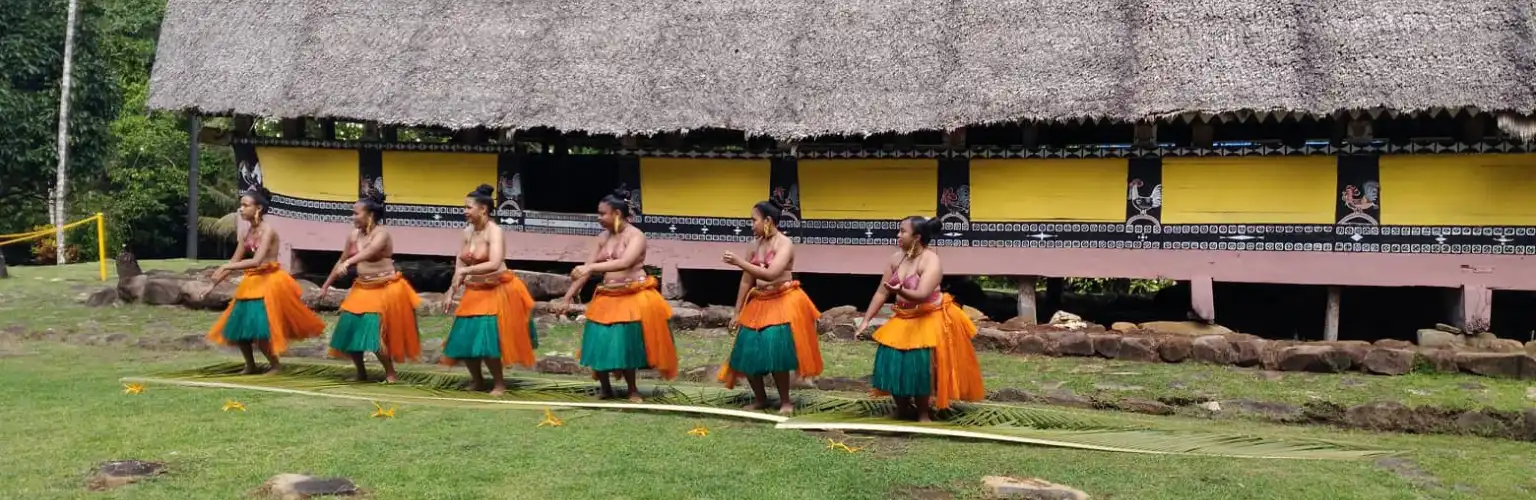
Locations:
{"points": [[1337, 145]]}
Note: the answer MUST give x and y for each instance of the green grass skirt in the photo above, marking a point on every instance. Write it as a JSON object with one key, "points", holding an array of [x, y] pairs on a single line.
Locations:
{"points": [[357, 333], [478, 337], [619, 346], [903, 373], [760, 352], [247, 322]]}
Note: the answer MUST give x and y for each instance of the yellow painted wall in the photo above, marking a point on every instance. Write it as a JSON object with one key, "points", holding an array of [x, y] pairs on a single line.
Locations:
{"points": [[422, 178], [1090, 190], [1458, 190], [1254, 190], [310, 173], [703, 187], [868, 189]]}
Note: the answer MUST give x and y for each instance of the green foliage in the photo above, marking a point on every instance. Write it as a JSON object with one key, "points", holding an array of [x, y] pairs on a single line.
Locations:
{"points": [[31, 65], [1085, 286]]}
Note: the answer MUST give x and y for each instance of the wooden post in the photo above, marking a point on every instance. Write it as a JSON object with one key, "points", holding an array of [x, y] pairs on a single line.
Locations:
{"points": [[371, 131], [1027, 308], [1031, 135], [671, 283], [1202, 299], [328, 129], [1475, 310], [1145, 135], [3, 273], [955, 139], [293, 128], [390, 133], [1331, 319], [1472, 129], [1202, 134], [244, 126]]}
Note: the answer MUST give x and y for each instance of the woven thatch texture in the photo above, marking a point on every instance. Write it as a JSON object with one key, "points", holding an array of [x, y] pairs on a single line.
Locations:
{"points": [[808, 67]]}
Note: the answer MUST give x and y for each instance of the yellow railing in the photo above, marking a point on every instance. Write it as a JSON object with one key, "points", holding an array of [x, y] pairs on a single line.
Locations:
{"points": [[101, 237]]}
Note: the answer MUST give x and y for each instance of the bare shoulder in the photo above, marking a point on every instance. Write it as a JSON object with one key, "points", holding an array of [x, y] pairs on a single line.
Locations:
{"points": [[895, 258]]}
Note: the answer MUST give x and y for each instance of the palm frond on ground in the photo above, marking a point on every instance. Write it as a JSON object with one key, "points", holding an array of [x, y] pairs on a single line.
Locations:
{"points": [[814, 411]]}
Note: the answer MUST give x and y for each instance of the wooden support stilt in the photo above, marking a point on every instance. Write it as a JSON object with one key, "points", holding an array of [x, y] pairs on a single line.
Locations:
{"points": [[1475, 309], [1027, 308], [1145, 135], [1202, 134], [1331, 319], [955, 139], [671, 283], [1202, 299], [293, 128]]}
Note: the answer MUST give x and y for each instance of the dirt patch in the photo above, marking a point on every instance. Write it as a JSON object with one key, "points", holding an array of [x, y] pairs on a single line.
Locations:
{"points": [[1410, 471]]}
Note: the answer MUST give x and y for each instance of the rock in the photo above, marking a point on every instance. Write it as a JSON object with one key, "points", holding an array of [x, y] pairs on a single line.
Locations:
{"points": [[1393, 344], [1105, 344], [1385, 416], [544, 286], [1068, 321], [1480, 424], [105, 297], [844, 331], [331, 301], [564, 365], [990, 339], [130, 289], [838, 313], [1388, 361], [1214, 349], [217, 298], [1211, 406], [1117, 387], [161, 292], [1506, 346], [1144, 406], [1030, 489], [1067, 398], [1448, 328], [1248, 352], [684, 318], [1441, 361], [1011, 395], [432, 304], [1175, 349], [1519, 366], [1144, 349], [1123, 327], [1530, 348], [1184, 328], [717, 316], [1315, 358], [703, 373], [1017, 323], [1068, 343], [307, 350], [974, 313], [1356, 349], [127, 264], [1436, 339], [118, 473], [1527, 430], [1029, 343], [300, 487], [1277, 412]]}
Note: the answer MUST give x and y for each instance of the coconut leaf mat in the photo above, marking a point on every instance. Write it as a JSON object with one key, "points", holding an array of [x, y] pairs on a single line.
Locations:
{"points": [[815, 410]]}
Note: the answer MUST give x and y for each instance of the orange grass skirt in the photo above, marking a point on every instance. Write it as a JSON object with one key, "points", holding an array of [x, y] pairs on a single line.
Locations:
{"points": [[287, 316], [506, 298], [785, 304], [945, 328], [639, 301], [393, 299]]}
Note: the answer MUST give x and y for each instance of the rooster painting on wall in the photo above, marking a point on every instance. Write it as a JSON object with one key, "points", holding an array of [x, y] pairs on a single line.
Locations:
{"points": [[1359, 201], [1144, 204]]}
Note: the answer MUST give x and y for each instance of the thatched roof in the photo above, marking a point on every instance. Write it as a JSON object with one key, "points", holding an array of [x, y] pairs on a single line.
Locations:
{"points": [[791, 68]]}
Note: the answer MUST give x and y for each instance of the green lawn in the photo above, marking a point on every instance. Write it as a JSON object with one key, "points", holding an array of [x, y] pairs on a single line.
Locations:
{"points": [[63, 411]]}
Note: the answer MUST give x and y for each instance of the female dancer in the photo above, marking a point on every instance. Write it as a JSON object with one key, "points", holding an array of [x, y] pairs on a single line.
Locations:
{"points": [[494, 320], [627, 320], [379, 314], [266, 311], [776, 322], [925, 350]]}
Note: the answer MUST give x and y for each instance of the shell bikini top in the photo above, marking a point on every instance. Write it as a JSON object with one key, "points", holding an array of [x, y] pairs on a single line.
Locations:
{"points": [[909, 283]]}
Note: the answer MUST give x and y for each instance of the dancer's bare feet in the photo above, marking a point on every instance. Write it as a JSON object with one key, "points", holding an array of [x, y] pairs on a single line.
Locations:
{"points": [[274, 370], [787, 409], [634, 397], [754, 406], [390, 379], [249, 370], [498, 389]]}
